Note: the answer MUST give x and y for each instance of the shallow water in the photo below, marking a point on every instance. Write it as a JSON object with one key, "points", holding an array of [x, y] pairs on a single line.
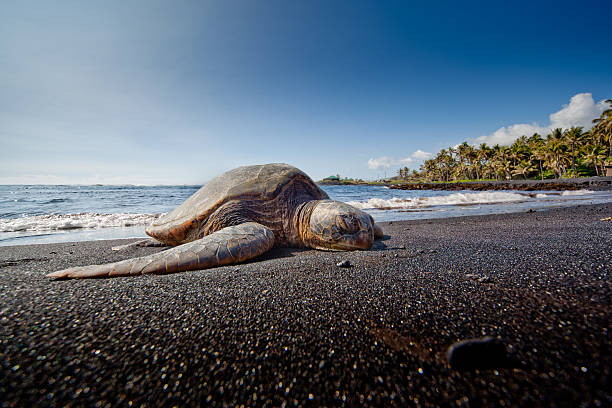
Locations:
{"points": [[61, 213]]}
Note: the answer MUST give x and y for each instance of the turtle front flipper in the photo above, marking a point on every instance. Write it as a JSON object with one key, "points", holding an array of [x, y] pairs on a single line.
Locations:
{"points": [[227, 246], [148, 242], [378, 232]]}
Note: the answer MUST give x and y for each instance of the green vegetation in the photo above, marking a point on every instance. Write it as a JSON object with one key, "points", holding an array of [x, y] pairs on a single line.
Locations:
{"points": [[562, 153], [335, 180]]}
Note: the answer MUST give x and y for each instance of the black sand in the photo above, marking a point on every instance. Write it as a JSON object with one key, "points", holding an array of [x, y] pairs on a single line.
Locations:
{"points": [[293, 328]]}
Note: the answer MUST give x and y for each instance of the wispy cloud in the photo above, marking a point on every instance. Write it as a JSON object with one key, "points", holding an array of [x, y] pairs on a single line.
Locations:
{"points": [[579, 112], [386, 162]]}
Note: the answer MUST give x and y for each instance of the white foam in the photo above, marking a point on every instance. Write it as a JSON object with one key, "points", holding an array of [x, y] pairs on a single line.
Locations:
{"points": [[484, 197], [577, 192], [58, 222]]}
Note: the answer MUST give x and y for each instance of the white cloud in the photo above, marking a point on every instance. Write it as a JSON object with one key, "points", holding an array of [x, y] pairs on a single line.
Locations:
{"points": [[421, 155], [387, 162], [581, 110]]}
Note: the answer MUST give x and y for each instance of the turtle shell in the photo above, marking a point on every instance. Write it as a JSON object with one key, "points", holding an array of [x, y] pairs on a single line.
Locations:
{"points": [[260, 182]]}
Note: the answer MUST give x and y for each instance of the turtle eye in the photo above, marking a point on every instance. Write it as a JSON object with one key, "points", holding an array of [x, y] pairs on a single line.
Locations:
{"points": [[348, 223]]}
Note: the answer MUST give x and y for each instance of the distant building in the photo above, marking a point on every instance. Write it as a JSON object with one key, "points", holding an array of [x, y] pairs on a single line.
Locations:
{"points": [[332, 178], [608, 170]]}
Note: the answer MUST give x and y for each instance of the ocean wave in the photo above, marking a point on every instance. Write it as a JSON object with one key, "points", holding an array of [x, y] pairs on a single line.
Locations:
{"points": [[577, 192], [462, 199], [59, 222]]}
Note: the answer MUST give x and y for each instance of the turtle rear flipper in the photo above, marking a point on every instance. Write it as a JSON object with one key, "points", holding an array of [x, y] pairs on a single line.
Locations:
{"points": [[227, 246]]}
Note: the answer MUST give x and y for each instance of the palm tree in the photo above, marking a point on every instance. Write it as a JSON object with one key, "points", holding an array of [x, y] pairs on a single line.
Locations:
{"points": [[595, 154], [603, 126], [501, 162], [536, 146], [483, 154], [466, 156], [523, 168], [573, 136], [556, 152], [403, 172], [518, 150]]}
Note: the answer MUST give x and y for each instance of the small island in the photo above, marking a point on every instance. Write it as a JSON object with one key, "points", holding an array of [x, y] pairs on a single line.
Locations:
{"points": [[336, 180]]}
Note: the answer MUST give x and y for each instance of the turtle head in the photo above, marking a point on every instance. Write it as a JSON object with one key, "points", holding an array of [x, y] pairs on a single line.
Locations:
{"points": [[334, 225]]}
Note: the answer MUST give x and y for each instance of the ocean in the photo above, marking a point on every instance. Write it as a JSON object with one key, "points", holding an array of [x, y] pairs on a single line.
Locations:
{"points": [[35, 214]]}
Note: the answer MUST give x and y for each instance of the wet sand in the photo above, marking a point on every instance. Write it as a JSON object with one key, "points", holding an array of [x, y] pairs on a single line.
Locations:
{"points": [[292, 328]]}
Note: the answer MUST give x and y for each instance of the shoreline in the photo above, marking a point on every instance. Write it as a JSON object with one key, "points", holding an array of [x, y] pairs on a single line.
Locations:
{"points": [[586, 183], [56, 226], [590, 183], [292, 327]]}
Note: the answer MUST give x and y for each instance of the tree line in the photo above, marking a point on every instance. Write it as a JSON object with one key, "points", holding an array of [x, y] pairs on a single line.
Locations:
{"points": [[570, 152]]}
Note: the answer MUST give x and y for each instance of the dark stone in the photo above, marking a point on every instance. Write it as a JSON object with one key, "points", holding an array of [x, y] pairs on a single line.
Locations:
{"points": [[480, 353], [344, 264]]}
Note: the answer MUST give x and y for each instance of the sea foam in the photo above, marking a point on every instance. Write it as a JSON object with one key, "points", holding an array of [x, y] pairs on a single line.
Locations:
{"points": [[485, 197], [576, 192], [58, 222]]}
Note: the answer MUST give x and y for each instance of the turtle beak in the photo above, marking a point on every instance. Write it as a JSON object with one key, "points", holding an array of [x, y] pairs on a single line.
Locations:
{"points": [[363, 239]]}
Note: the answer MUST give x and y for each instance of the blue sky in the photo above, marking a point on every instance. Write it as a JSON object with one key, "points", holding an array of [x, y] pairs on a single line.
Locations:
{"points": [[176, 92]]}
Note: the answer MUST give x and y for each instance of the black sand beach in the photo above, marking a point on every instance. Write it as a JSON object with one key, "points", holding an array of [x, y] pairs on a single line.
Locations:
{"points": [[292, 328]]}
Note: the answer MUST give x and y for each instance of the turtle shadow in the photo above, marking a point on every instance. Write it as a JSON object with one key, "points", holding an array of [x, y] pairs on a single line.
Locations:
{"points": [[290, 252], [379, 245], [281, 252], [384, 238]]}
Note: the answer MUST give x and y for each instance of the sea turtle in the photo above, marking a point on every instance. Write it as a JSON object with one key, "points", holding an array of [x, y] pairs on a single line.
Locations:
{"points": [[240, 215]]}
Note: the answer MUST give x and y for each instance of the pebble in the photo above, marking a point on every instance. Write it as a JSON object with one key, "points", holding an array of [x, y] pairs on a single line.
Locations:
{"points": [[344, 264], [484, 352], [478, 278]]}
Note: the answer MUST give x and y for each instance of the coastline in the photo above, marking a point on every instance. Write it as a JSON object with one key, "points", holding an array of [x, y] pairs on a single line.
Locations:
{"points": [[292, 327], [591, 183], [585, 183]]}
